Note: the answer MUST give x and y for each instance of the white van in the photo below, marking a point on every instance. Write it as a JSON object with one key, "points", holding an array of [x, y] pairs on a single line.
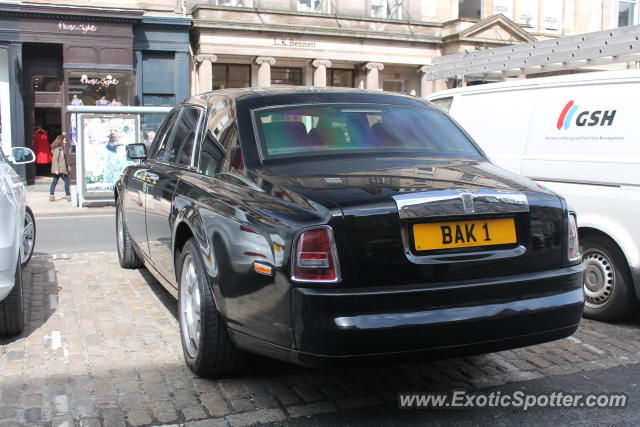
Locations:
{"points": [[578, 135]]}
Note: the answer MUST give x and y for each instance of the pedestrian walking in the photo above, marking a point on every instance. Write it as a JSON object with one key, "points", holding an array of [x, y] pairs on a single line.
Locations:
{"points": [[59, 167]]}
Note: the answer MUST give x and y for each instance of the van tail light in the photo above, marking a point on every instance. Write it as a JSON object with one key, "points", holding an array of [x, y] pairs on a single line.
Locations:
{"points": [[573, 247], [314, 257]]}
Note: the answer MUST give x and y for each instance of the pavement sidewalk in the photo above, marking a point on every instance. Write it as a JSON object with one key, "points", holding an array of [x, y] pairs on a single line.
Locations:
{"points": [[38, 201]]}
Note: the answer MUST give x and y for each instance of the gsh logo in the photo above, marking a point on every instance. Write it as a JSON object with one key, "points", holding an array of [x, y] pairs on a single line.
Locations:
{"points": [[584, 118]]}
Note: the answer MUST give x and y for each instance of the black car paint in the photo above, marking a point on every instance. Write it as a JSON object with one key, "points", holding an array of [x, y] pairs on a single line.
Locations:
{"points": [[274, 316]]}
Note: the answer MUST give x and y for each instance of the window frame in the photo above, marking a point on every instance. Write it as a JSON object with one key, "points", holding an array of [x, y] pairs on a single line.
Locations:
{"points": [[324, 7], [288, 68], [634, 16], [227, 65], [249, 3], [330, 72], [481, 11], [392, 9]]}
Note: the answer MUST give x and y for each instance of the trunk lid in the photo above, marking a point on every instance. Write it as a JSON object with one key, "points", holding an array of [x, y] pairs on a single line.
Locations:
{"points": [[382, 206]]}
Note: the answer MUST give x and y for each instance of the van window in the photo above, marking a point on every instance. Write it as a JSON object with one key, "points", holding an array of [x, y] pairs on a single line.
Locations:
{"points": [[443, 103]]}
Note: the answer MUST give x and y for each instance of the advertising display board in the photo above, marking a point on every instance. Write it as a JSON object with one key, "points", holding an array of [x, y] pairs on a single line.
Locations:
{"points": [[101, 135], [104, 156]]}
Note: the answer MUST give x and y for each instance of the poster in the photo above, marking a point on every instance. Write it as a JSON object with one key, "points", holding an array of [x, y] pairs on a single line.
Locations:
{"points": [[105, 138]]}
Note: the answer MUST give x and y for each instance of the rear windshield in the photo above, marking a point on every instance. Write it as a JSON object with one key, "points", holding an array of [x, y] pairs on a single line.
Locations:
{"points": [[299, 131]]}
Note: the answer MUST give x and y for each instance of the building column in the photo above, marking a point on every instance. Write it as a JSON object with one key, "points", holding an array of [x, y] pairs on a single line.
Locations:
{"points": [[372, 80], [205, 72], [264, 72], [426, 86], [320, 72]]}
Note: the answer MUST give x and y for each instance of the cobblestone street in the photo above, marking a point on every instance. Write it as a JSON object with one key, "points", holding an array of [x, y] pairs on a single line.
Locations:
{"points": [[103, 348]]}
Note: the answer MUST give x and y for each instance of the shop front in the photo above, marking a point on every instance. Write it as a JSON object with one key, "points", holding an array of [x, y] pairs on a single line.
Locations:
{"points": [[68, 56]]}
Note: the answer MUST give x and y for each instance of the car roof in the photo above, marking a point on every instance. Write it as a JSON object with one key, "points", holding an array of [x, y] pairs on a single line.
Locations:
{"points": [[209, 98]]}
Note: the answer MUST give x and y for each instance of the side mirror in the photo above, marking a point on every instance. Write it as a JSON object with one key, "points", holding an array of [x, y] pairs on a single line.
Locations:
{"points": [[22, 155], [137, 151]]}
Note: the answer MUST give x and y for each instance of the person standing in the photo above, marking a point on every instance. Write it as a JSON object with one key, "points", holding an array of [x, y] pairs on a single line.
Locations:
{"points": [[59, 167]]}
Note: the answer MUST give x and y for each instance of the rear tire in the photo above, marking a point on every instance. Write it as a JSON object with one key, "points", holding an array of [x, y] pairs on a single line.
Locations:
{"points": [[608, 289], [206, 344], [28, 237], [126, 253], [12, 308]]}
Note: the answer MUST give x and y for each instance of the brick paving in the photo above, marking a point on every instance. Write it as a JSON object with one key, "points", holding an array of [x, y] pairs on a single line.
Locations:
{"points": [[103, 348]]}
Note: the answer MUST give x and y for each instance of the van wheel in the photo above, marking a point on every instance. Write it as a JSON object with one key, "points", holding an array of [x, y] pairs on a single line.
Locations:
{"points": [[12, 307], [207, 347], [608, 289], [126, 253]]}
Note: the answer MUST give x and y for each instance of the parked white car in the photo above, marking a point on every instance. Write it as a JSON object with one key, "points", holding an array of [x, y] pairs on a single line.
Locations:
{"points": [[17, 240], [577, 135]]}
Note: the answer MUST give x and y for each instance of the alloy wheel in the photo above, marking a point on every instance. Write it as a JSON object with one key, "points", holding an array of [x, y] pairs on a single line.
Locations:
{"points": [[120, 232], [190, 307], [28, 238]]}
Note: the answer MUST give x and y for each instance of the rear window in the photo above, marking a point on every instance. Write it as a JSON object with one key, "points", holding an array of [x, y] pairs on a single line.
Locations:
{"points": [[320, 129]]}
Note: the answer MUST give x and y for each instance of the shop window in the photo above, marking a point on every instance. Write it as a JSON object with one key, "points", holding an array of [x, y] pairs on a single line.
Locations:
{"points": [[340, 78], [393, 86], [100, 88], [45, 83], [627, 13], [231, 75], [286, 76], [391, 9], [470, 9], [321, 6]]}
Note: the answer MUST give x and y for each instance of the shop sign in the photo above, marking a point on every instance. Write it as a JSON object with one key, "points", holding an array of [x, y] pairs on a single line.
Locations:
{"points": [[102, 81], [80, 28], [283, 42]]}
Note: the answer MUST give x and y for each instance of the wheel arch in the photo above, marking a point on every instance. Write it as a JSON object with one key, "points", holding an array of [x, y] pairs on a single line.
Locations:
{"points": [[189, 224]]}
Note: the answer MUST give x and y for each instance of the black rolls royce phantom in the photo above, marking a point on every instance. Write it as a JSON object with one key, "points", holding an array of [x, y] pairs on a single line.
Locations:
{"points": [[322, 226]]}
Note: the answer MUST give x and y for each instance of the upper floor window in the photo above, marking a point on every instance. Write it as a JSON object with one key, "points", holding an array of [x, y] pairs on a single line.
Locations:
{"points": [[386, 9], [627, 12], [234, 3], [320, 6], [470, 9]]}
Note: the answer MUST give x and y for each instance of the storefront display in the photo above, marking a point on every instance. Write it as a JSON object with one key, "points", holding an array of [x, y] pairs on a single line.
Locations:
{"points": [[104, 149], [102, 88]]}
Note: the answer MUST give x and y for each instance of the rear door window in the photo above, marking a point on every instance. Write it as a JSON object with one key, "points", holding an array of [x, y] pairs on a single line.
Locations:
{"points": [[181, 150], [161, 139]]}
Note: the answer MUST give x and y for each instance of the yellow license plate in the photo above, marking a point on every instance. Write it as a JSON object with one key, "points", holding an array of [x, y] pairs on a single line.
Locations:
{"points": [[462, 234]]}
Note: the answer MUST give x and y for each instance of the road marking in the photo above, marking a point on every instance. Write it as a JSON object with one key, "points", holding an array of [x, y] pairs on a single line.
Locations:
{"points": [[42, 218]]}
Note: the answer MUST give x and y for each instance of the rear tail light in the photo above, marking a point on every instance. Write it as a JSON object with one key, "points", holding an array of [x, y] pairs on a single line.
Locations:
{"points": [[314, 256], [573, 247]]}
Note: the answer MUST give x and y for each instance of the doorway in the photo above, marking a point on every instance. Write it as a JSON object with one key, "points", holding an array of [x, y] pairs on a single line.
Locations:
{"points": [[47, 126]]}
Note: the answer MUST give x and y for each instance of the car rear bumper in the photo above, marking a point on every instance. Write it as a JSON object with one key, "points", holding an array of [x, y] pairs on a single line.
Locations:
{"points": [[333, 325]]}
